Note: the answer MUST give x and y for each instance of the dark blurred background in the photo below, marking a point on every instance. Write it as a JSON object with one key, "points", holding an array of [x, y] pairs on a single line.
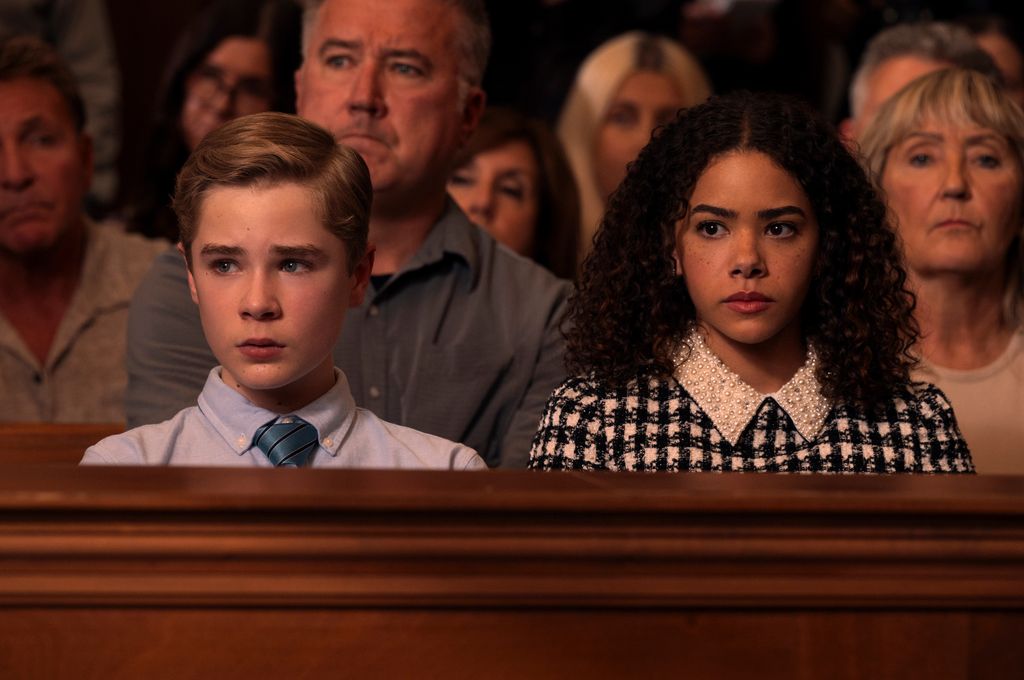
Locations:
{"points": [[805, 47]]}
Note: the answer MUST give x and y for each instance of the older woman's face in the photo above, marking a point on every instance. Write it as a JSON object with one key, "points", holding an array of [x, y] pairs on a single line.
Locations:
{"points": [[234, 80], [645, 100], [956, 194], [499, 189]]}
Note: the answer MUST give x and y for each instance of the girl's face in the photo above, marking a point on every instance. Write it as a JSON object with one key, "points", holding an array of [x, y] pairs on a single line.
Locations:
{"points": [[499, 190], [955, 192], [747, 249], [234, 80], [645, 100]]}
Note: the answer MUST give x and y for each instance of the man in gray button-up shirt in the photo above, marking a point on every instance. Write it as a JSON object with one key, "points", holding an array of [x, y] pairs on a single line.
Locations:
{"points": [[460, 337]]}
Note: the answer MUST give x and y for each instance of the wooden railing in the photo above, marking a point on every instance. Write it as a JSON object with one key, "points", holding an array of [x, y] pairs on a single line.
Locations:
{"points": [[51, 442], [121, 572]]}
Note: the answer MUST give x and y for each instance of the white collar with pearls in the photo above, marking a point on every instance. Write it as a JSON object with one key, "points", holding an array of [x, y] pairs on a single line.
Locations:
{"points": [[732, 403]]}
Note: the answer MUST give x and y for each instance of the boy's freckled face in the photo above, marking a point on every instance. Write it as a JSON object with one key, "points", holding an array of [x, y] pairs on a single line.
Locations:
{"points": [[273, 286]]}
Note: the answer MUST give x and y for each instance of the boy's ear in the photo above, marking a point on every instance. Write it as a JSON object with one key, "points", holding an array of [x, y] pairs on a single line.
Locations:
{"points": [[188, 271], [360, 276]]}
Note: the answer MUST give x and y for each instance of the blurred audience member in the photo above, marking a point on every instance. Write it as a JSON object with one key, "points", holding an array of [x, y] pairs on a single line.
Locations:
{"points": [[902, 53], [947, 151], [624, 90], [539, 45], [238, 57], [66, 282], [789, 46], [1005, 45], [80, 32], [513, 180]]}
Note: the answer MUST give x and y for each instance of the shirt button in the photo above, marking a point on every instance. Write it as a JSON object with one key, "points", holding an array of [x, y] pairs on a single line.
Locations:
{"points": [[374, 392], [374, 310], [241, 440], [328, 441]]}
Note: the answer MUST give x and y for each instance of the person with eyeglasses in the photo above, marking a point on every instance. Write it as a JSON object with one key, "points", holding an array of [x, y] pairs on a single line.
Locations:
{"points": [[237, 58]]}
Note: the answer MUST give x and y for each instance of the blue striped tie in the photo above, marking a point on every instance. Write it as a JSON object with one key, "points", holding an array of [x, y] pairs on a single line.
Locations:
{"points": [[288, 442]]}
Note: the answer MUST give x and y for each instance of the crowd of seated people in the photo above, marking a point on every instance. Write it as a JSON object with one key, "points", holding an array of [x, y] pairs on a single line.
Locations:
{"points": [[345, 257]]}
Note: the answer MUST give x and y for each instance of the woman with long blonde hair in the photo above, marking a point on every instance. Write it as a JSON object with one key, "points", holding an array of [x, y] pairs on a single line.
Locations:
{"points": [[624, 89]]}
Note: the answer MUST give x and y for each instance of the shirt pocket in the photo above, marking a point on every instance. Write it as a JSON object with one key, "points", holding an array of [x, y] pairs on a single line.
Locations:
{"points": [[463, 393]]}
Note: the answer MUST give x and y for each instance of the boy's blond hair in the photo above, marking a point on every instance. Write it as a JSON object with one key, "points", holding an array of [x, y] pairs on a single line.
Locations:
{"points": [[267, 149]]}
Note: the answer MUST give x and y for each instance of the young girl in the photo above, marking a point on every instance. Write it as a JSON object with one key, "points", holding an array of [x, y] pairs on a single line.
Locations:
{"points": [[745, 309]]}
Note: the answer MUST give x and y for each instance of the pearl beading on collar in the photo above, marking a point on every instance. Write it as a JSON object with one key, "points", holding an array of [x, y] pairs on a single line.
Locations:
{"points": [[732, 403]]}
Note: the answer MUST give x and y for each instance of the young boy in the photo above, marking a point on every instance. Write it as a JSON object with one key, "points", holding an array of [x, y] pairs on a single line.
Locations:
{"points": [[273, 217]]}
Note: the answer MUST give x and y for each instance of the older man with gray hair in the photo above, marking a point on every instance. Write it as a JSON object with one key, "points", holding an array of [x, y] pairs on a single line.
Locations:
{"points": [[901, 53]]}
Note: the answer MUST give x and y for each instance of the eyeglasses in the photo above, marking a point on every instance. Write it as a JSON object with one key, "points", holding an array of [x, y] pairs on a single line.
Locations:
{"points": [[209, 82]]}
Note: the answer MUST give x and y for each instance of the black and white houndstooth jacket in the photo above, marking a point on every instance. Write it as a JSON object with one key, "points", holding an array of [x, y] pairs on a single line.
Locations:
{"points": [[654, 424]]}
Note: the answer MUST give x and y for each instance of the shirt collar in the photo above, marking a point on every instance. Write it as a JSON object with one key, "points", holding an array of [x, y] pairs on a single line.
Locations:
{"points": [[732, 403], [453, 234], [236, 419]]}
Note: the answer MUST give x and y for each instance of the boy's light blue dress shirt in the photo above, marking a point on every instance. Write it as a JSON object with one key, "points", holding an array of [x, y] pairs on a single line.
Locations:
{"points": [[219, 432]]}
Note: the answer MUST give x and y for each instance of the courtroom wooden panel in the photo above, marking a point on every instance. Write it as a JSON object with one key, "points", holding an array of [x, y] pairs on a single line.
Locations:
{"points": [[181, 643], [62, 443], [304, 573]]}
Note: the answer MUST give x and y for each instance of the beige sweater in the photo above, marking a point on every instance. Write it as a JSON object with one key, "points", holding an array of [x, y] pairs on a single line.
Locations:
{"points": [[989, 406], [83, 379]]}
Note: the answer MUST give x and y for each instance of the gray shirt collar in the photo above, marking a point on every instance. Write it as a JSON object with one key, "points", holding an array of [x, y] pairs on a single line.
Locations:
{"points": [[452, 235]]}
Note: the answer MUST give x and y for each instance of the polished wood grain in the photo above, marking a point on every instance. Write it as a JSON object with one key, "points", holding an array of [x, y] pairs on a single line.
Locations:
{"points": [[224, 573], [62, 443]]}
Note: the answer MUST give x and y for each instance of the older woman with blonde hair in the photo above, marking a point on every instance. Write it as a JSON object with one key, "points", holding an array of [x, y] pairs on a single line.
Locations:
{"points": [[624, 89], [947, 151]]}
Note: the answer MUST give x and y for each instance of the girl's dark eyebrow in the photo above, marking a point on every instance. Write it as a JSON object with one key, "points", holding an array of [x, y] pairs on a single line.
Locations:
{"points": [[714, 210], [772, 213], [766, 214]]}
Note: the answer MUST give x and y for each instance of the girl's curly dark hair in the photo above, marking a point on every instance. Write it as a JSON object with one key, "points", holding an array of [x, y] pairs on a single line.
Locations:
{"points": [[631, 310]]}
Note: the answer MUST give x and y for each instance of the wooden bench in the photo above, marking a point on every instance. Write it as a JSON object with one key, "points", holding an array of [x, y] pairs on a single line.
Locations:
{"points": [[187, 573], [51, 442]]}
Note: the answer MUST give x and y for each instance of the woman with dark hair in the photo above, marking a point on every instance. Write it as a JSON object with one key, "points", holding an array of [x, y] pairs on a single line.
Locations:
{"points": [[744, 308], [513, 180], [238, 57]]}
